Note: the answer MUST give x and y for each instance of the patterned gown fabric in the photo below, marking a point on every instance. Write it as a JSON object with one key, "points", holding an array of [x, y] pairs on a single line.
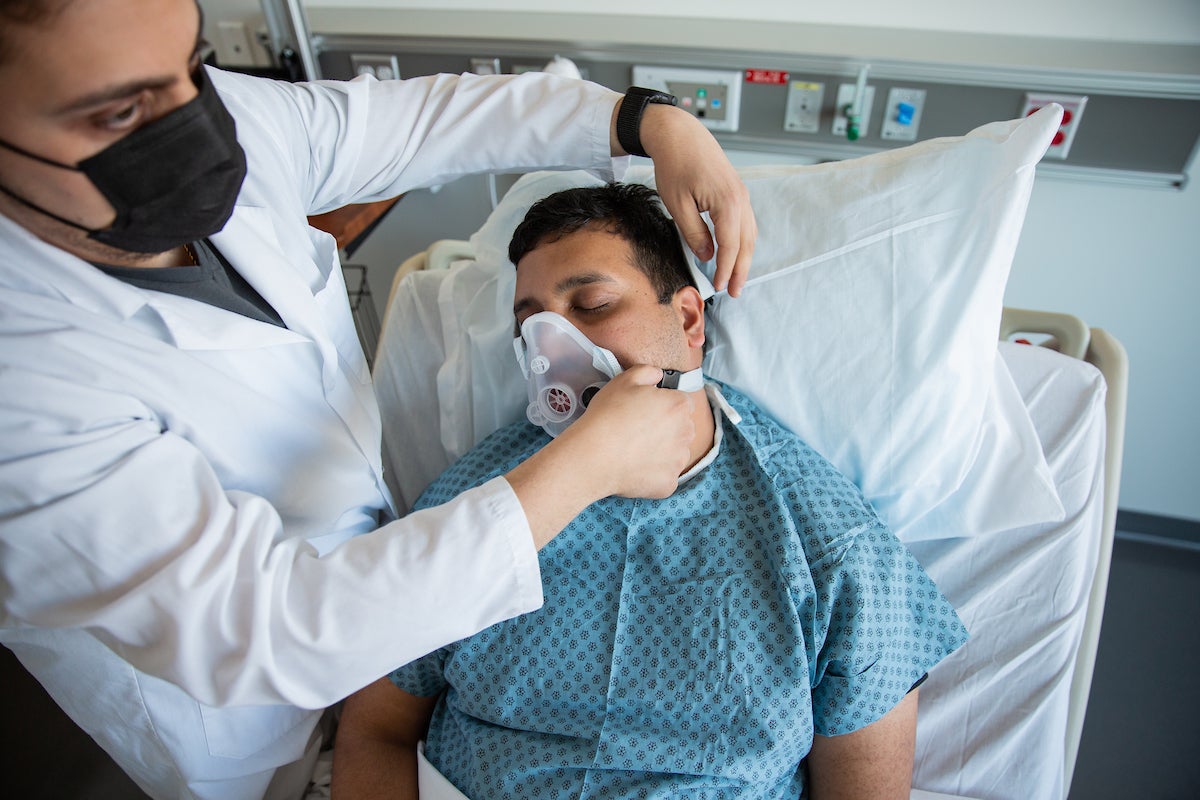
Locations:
{"points": [[690, 646]]}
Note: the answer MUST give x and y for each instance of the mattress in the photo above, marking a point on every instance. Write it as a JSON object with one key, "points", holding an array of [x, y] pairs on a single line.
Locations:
{"points": [[993, 716]]}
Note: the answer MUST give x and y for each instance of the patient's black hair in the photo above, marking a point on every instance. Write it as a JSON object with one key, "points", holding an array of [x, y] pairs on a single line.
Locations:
{"points": [[629, 210]]}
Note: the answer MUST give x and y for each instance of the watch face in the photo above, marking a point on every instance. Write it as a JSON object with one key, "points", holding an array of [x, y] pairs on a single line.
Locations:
{"points": [[653, 95]]}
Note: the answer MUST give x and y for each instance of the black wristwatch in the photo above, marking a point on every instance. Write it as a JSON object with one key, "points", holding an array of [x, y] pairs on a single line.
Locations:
{"points": [[629, 118]]}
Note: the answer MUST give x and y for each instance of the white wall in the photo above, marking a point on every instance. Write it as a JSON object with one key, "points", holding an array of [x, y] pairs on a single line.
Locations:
{"points": [[1128, 260], [1161, 21], [1123, 258]]}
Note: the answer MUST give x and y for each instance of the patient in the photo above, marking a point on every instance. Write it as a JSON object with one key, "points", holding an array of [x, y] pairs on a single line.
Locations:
{"points": [[759, 634]]}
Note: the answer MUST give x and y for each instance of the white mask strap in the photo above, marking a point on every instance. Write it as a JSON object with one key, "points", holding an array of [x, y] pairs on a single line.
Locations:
{"points": [[691, 381]]}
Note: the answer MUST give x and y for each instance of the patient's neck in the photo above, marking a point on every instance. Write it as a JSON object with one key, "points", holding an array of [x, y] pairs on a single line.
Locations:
{"points": [[702, 416]]}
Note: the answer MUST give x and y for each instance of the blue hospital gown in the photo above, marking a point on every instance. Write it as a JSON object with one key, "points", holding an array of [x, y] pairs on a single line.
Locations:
{"points": [[688, 647]]}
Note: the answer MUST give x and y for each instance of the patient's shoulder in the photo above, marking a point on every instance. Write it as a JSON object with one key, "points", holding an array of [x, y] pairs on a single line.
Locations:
{"points": [[762, 429], [796, 469], [495, 455]]}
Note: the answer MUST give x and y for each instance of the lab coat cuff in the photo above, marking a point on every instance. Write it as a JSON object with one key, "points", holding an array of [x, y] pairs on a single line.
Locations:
{"points": [[618, 166], [607, 166], [503, 505]]}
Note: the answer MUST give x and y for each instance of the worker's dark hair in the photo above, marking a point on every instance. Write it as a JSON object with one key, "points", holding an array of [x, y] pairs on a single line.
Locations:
{"points": [[629, 210], [24, 12]]}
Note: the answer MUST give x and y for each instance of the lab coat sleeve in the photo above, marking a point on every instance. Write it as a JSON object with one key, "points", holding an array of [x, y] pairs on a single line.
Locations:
{"points": [[111, 524], [362, 140]]}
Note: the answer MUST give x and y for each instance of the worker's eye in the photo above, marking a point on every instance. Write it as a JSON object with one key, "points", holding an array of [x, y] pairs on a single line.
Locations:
{"points": [[124, 116]]}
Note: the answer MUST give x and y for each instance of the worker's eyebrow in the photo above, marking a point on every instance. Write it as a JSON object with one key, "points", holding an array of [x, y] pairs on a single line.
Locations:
{"points": [[108, 94]]}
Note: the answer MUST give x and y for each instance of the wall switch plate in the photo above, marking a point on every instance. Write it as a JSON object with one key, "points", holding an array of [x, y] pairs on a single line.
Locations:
{"points": [[1072, 104], [803, 112], [233, 45], [383, 67], [845, 97], [712, 96], [902, 115], [485, 66]]}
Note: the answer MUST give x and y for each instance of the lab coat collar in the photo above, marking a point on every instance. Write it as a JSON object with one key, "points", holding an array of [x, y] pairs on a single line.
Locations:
{"points": [[248, 241], [286, 277], [27, 264]]}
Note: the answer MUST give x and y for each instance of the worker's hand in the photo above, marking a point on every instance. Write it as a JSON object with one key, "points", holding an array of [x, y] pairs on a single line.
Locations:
{"points": [[694, 175], [636, 437], [633, 441]]}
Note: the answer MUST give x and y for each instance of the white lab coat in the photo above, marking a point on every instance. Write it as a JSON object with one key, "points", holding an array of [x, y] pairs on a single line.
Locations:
{"points": [[186, 486]]}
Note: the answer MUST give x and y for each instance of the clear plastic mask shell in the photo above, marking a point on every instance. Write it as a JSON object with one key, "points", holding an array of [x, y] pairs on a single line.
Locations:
{"points": [[563, 370]]}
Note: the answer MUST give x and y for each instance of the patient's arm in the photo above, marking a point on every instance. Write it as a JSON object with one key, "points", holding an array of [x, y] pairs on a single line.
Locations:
{"points": [[875, 761], [375, 755]]}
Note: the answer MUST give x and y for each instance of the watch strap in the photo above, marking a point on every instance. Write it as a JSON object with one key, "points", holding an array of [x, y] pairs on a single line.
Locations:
{"points": [[629, 117]]}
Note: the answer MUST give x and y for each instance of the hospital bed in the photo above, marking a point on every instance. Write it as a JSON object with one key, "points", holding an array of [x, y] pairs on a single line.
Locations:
{"points": [[1025, 568]]}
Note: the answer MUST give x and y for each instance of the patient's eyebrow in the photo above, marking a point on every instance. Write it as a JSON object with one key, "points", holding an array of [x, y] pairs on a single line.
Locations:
{"points": [[565, 285], [582, 279]]}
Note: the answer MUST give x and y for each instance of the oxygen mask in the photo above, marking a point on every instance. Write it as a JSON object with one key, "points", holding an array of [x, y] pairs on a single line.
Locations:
{"points": [[564, 370]]}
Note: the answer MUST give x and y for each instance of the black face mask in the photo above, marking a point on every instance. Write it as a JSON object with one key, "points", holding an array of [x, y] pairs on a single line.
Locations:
{"points": [[171, 181]]}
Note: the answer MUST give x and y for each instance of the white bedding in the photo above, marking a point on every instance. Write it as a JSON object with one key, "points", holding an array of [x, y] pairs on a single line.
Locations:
{"points": [[993, 716]]}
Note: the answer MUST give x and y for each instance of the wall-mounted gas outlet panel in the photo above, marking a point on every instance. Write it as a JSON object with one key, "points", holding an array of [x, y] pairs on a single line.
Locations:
{"points": [[845, 97], [1072, 113], [803, 111], [902, 115], [712, 96]]}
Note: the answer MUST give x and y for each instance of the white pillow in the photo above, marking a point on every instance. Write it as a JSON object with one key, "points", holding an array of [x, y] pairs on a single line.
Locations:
{"points": [[868, 326]]}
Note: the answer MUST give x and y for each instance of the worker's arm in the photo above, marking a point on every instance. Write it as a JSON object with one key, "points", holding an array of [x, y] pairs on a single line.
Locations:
{"points": [[875, 761], [356, 141], [136, 540], [342, 142], [377, 736]]}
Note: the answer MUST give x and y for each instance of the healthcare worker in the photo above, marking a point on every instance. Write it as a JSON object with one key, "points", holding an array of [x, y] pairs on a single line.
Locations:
{"points": [[196, 551]]}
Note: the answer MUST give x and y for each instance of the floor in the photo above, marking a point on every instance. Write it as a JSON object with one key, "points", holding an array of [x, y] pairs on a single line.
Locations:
{"points": [[1141, 738]]}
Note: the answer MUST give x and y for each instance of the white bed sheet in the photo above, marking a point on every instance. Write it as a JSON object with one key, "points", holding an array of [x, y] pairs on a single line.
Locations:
{"points": [[993, 716]]}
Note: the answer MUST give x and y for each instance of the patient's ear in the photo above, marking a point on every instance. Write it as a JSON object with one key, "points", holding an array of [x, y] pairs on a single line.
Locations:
{"points": [[690, 307]]}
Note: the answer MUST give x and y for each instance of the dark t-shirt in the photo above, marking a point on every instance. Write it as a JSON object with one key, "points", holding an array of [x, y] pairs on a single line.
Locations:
{"points": [[213, 280]]}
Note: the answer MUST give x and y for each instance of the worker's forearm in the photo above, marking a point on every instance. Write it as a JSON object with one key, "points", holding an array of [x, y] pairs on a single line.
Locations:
{"points": [[662, 127], [633, 441], [553, 489]]}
